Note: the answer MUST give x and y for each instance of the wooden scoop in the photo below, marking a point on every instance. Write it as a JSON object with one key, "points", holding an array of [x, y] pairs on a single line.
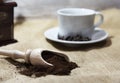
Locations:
{"points": [[35, 57]]}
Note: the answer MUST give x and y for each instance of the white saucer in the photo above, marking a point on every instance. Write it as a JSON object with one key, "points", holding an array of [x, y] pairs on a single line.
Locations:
{"points": [[99, 35]]}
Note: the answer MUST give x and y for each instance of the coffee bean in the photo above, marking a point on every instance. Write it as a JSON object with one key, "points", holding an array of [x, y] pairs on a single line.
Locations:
{"points": [[75, 38]]}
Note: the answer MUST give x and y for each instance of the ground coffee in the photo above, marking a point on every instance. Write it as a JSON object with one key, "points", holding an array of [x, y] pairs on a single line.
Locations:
{"points": [[61, 67]]}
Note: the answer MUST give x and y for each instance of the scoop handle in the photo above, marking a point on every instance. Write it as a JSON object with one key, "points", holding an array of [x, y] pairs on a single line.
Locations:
{"points": [[14, 54]]}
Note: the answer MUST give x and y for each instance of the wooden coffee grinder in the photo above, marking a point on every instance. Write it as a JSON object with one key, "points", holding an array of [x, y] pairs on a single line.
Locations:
{"points": [[6, 20]]}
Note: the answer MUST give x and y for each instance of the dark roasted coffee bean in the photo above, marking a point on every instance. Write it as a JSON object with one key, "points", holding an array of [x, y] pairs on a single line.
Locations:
{"points": [[68, 38], [61, 37], [75, 38]]}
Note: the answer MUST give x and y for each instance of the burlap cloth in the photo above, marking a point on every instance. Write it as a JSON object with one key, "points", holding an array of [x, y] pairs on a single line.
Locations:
{"points": [[99, 63]]}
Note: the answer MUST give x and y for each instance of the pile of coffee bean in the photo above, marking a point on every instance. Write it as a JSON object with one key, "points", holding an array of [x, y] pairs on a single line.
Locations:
{"points": [[75, 38]]}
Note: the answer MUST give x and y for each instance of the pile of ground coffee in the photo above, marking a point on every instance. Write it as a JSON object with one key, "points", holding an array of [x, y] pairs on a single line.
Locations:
{"points": [[61, 67]]}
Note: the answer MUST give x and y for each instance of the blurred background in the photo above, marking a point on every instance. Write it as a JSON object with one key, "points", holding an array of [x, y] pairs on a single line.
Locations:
{"points": [[48, 8]]}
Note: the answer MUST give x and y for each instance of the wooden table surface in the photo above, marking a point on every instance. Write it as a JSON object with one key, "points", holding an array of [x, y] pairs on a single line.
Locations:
{"points": [[99, 63]]}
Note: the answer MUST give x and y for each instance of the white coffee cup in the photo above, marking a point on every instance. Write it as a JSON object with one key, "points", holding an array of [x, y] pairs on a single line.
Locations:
{"points": [[77, 21]]}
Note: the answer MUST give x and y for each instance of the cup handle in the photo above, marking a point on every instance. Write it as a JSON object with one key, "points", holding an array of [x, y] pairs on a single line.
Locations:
{"points": [[101, 19]]}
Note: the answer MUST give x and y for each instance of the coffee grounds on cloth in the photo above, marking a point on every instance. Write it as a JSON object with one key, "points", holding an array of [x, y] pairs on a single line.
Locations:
{"points": [[61, 67]]}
